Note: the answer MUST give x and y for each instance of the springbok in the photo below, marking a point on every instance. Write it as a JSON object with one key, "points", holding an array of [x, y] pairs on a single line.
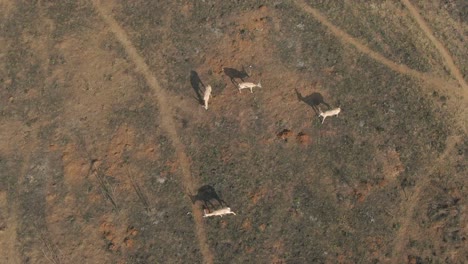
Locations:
{"points": [[220, 212], [249, 85], [207, 95], [333, 112]]}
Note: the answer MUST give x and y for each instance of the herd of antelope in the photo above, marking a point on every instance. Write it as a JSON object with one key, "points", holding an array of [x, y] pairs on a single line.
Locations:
{"points": [[207, 193], [235, 74]]}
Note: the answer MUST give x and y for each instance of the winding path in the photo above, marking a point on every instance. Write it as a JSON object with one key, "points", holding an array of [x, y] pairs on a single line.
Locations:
{"points": [[167, 121]]}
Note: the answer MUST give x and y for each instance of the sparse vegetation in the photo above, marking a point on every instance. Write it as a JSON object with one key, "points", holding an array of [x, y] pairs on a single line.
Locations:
{"points": [[94, 168]]}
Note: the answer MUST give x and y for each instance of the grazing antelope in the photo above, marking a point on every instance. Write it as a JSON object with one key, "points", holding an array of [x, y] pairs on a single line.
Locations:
{"points": [[333, 112], [248, 85], [220, 212], [207, 95]]}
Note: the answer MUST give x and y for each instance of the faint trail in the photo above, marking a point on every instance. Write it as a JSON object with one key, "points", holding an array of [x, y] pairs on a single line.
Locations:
{"points": [[440, 47], [348, 39], [408, 207], [9, 240], [440, 84], [9, 234], [167, 122], [401, 239]]}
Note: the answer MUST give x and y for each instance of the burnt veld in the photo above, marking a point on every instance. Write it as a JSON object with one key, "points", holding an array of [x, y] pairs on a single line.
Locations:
{"points": [[106, 151]]}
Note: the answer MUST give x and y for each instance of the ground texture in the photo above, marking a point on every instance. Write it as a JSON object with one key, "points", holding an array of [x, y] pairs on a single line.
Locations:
{"points": [[103, 137]]}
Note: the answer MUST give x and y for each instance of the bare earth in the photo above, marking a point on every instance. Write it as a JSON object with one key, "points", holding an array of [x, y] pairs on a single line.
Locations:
{"points": [[103, 138]]}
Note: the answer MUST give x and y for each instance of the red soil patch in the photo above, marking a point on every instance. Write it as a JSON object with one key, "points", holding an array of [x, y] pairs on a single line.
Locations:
{"points": [[303, 138]]}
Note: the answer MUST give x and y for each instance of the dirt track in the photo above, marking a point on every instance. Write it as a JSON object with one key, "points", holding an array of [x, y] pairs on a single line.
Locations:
{"points": [[103, 138], [167, 122], [440, 47]]}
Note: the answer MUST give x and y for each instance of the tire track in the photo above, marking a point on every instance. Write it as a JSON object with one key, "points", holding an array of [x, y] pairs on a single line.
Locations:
{"points": [[11, 238], [401, 238], [408, 207], [439, 46], [442, 85], [348, 39], [166, 119]]}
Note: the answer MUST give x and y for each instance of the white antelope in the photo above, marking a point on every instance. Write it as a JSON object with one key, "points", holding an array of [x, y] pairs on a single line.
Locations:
{"points": [[333, 112], [220, 212], [248, 85], [207, 95]]}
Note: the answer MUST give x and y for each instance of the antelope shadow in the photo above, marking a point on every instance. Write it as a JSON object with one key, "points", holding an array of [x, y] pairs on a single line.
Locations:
{"points": [[197, 85], [314, 100], [208, 197], [234, 74]]}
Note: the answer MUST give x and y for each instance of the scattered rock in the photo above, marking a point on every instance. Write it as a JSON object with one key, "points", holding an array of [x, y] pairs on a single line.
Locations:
{"points": [[285, 134], [223, 224], [414, 259], [247, 225], [303, 138], [262, 227]]}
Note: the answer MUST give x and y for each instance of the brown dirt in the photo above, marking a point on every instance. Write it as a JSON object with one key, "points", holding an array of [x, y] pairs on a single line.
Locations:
{"points": [[102, 136], [303, 138], [440, 47], [166, 120]]}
